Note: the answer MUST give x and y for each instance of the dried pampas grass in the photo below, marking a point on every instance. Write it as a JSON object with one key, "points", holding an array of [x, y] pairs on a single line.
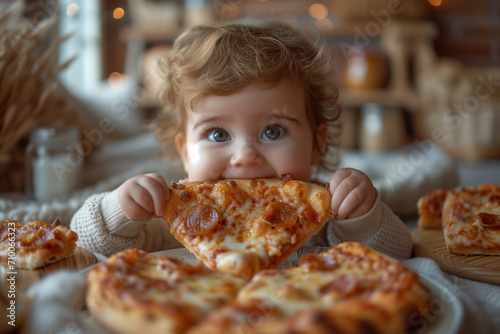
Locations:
{"points": [[30, 95]]}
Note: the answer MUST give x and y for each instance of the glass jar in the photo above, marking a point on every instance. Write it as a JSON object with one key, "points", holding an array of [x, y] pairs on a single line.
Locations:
{"points": [[53, 166], [366, 68], [382, 128]]}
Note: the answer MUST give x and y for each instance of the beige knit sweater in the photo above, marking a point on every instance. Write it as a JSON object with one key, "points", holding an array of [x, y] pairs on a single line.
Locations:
{"points": [[103, 228]]}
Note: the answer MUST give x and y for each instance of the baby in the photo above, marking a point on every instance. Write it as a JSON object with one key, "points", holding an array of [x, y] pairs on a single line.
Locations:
{"points": [[245, 101]]}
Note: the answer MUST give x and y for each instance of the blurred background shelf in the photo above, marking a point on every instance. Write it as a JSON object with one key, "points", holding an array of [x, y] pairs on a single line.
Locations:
{"points": [[407, 99], [149, 34]]}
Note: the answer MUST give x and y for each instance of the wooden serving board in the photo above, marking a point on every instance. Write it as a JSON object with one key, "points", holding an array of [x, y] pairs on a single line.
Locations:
{"points": [[80, 259], [430, 243]]}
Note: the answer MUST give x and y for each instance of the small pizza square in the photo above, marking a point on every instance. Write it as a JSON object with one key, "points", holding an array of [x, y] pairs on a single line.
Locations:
{"points": [[35, 244]]}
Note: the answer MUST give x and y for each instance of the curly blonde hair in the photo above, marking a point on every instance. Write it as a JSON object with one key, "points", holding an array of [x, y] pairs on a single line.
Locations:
{"points": [[225, 58]]}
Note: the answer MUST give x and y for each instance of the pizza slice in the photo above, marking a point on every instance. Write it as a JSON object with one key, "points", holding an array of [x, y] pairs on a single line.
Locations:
{"points": [[137, 292], [241, 226], [348, 289], [471, 220], [34, 244], [430, 208]]}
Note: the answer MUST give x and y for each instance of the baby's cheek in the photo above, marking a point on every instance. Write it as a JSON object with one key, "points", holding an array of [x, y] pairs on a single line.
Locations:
{"points": [[193, 154], [204, 164], [297, 164]]}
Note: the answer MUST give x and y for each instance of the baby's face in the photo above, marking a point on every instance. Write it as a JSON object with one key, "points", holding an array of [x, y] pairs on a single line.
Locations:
{"points": [[255, 133]]}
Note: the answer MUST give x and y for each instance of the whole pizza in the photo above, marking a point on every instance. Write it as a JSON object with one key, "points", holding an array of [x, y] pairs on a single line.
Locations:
{"points": [[348, 289]]}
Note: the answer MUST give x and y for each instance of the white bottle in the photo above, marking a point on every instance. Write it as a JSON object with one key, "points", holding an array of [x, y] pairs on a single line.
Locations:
{"points": [[53, 167]]}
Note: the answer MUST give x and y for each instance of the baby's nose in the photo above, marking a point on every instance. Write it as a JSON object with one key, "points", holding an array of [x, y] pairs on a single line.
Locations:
{"points": [[246, 154]]}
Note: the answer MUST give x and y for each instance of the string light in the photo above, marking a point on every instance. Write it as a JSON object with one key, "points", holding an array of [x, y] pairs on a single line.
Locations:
{"points": [[72, 9], [318, 11], [116, 80], [118, 13], [435, 3]]}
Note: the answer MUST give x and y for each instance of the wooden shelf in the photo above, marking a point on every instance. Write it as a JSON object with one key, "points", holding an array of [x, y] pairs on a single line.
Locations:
{"points": [[408, 45], [387, 97], [404, 42]]}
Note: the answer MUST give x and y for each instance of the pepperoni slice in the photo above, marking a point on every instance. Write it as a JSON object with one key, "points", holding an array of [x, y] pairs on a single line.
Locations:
{"points": [[281, 214], [490, 221], [201, 219]]}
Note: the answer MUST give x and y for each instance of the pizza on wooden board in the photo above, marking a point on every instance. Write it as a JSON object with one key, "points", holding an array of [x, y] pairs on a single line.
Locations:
{"points": [[35, 244], [242, 226], [348, 289], [469, 217]]}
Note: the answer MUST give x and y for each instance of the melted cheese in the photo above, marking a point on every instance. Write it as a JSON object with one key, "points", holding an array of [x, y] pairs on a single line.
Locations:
{"points": [[470, 217]]}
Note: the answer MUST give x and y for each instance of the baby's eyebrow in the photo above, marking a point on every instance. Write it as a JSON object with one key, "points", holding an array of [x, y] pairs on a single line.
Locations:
{"points": [[209, 120], [283, 114]]}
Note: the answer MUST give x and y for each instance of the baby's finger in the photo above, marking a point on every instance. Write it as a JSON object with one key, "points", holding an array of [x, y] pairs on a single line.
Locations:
{"points": [[351, 203], [133, 210], [141, 195], [366, 203], [340, 194], [163, 183], [337, 178], [360, 210], [156, 194], [161, 207]]}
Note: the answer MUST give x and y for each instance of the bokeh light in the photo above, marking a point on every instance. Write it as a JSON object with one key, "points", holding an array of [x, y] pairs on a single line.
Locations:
{"points": [[324, 24], [118, 13], [72, 9], [116, 80], [318, 11], [435, 3]]}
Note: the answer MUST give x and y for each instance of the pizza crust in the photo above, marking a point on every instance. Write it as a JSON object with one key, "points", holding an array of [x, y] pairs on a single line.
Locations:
{"points": [[430, 208], [126, 316]]}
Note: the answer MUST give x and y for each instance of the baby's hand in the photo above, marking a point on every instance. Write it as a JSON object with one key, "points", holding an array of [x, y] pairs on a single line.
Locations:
{"points": [[143, 196], [352, 192]]}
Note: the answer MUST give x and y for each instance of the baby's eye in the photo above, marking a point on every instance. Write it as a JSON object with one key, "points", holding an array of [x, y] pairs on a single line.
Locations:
{"points": [[219, 135], [273, 132]]}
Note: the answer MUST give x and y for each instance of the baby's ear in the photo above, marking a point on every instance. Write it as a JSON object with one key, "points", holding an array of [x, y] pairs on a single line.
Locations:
{"points": [[321, 137], [180, 143]]}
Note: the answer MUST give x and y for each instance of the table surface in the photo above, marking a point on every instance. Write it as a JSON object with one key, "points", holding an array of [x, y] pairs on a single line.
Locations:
{"points": [[473, 295], [487, 171]]}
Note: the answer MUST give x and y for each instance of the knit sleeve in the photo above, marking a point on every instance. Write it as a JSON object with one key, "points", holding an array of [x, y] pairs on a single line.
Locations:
{"points": [[379, 229], [103, 228]]}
